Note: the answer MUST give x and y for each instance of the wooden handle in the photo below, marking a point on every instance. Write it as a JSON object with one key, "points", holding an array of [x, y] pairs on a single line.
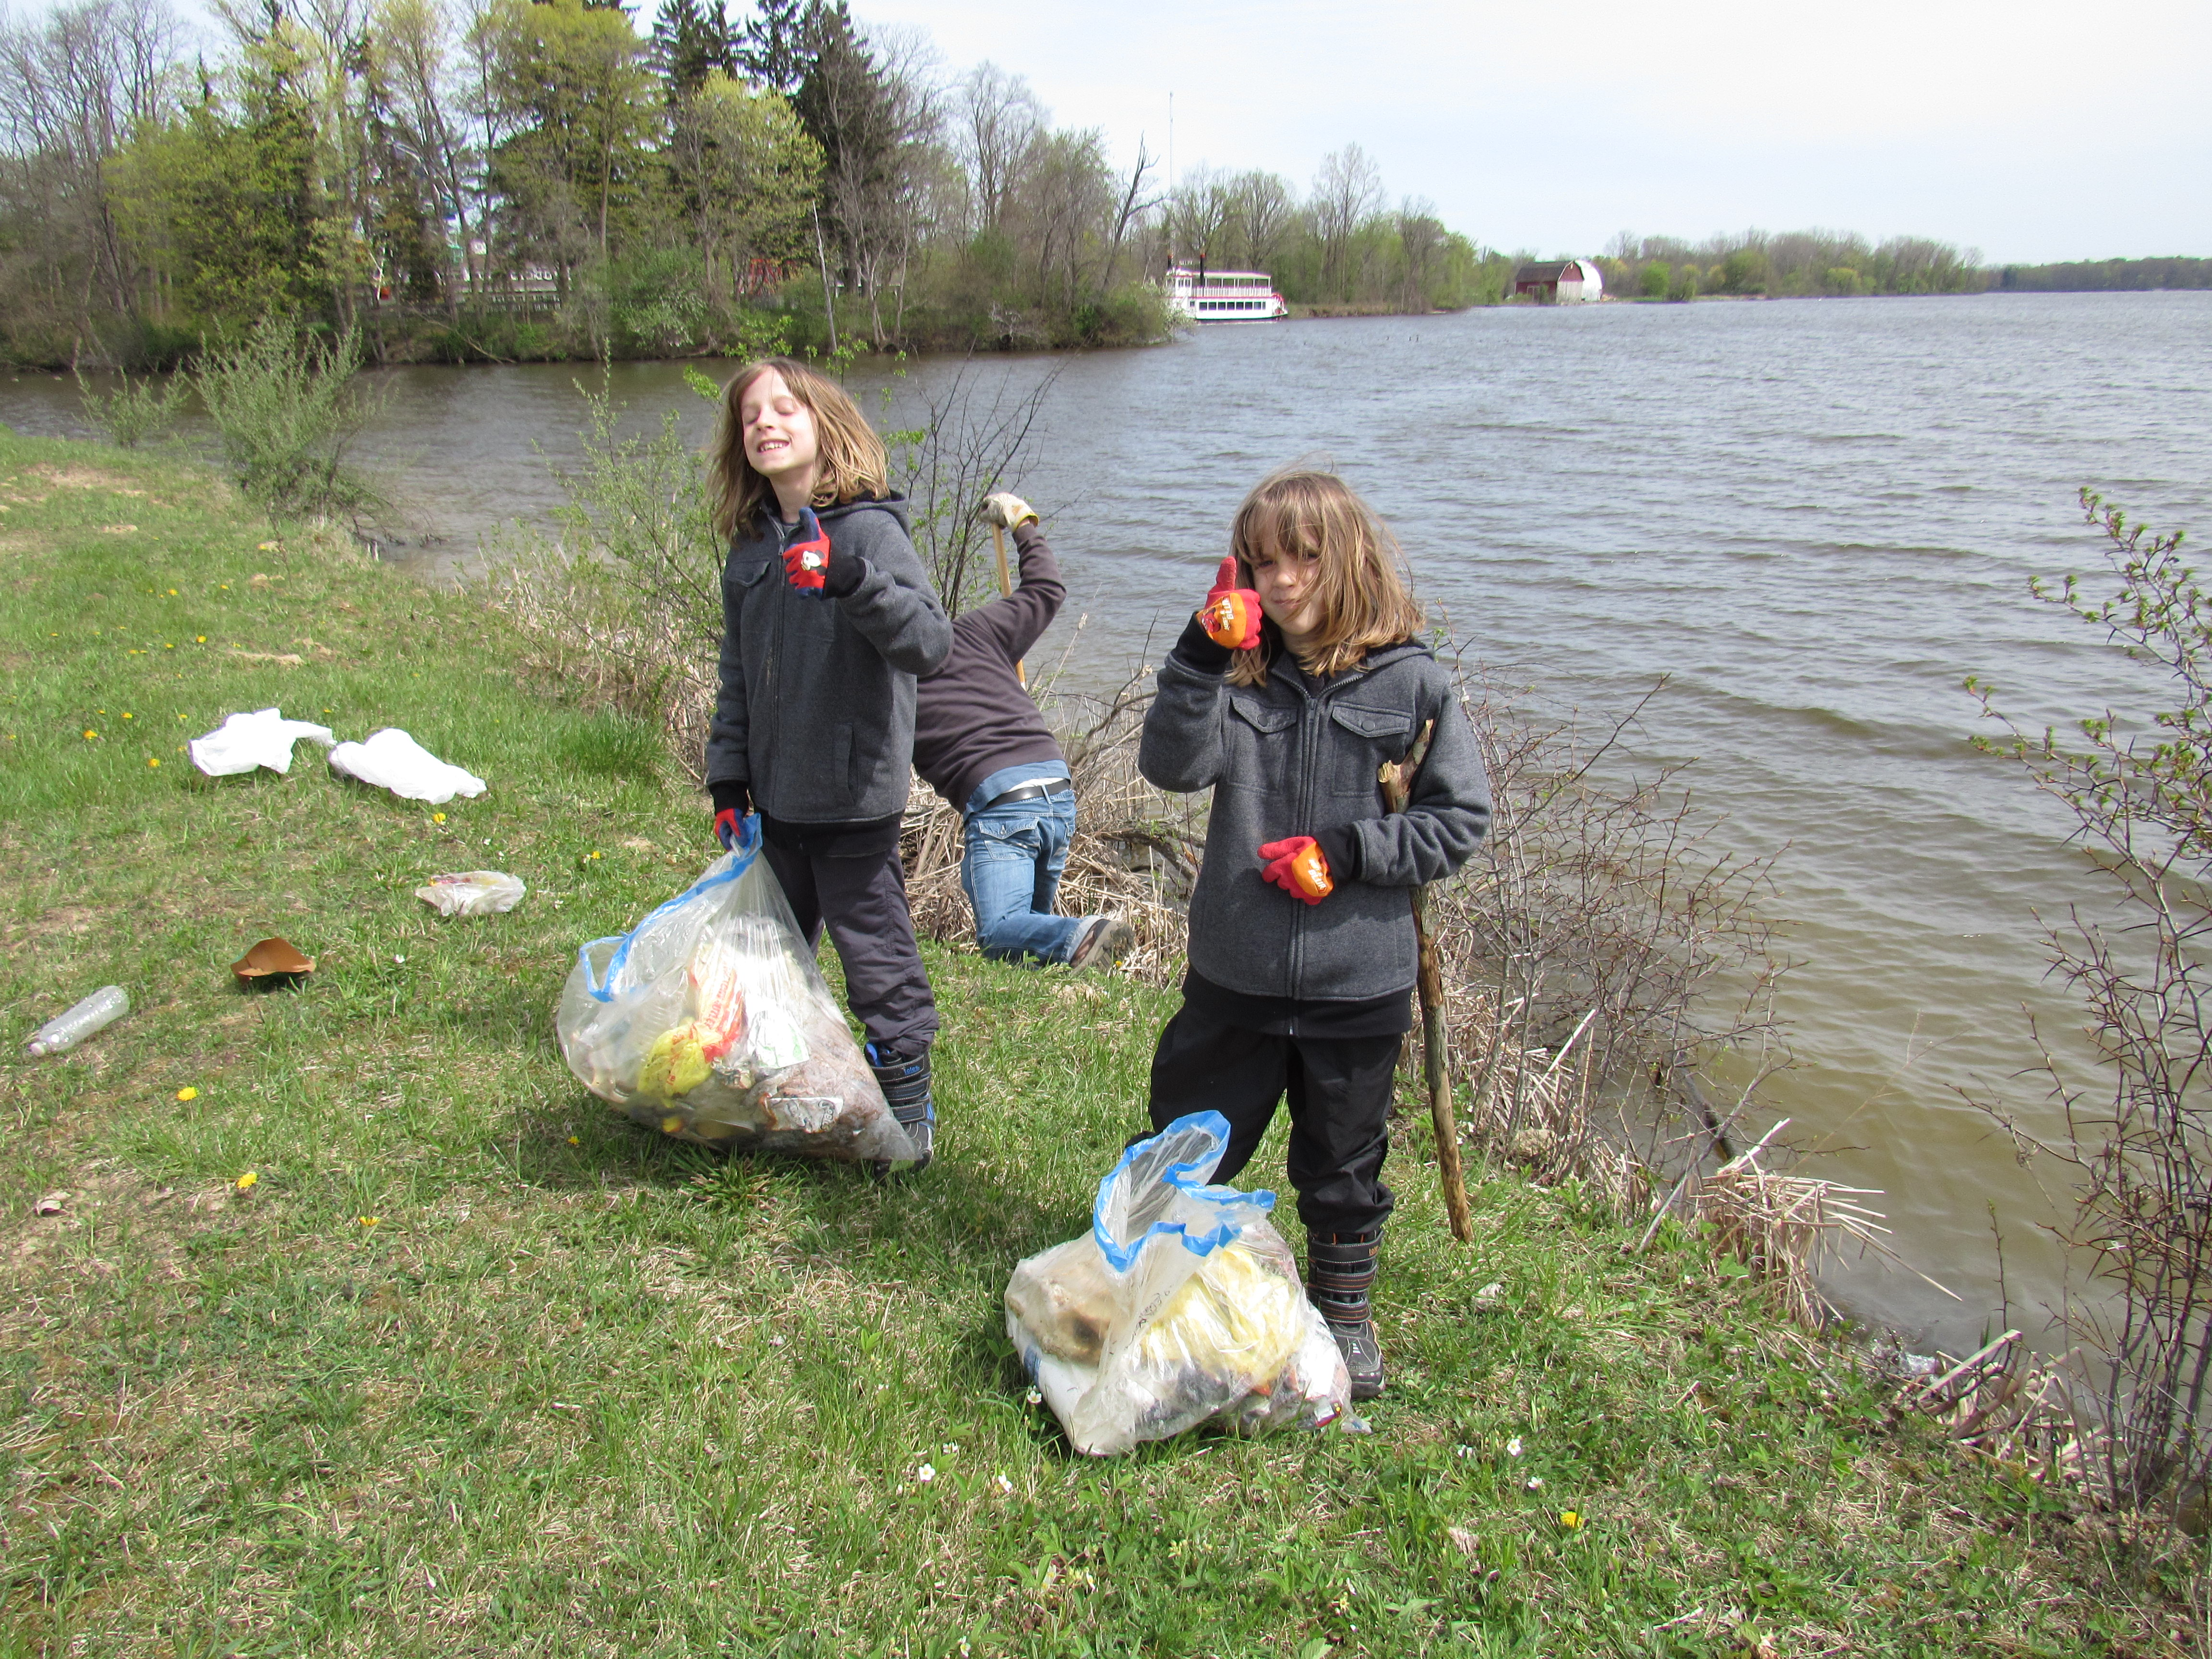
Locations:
{"points": [[1006, 586], [1397, 783]]}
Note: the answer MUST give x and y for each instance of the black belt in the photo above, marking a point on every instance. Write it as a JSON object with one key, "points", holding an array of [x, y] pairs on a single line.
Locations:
{"points": [[1035, 790]]}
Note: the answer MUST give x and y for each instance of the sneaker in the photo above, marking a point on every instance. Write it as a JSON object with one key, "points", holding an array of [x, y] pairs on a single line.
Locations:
{"points": [[1362, 1357], [1105, 942]]}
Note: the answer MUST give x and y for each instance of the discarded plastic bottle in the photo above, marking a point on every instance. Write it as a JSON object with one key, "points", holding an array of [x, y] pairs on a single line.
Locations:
{"points": [[64, 1031]]}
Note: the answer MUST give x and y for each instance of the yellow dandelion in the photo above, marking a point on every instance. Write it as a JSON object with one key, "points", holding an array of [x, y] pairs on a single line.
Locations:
{"points": [[168, 648], [153, 760], [89, 734], [188, 1093], [1569, 1520], [247, 1179], [126, 713], [172, 593], [198, 638], [436, 817], [265, 547], [368, 1220], [572, 1141]]}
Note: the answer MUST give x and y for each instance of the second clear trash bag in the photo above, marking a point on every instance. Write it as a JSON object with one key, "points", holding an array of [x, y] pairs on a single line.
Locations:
{"points": [[709, 1021], [1180, 1306]]}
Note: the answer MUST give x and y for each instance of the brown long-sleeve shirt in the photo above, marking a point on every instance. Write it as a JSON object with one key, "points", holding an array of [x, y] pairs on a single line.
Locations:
{"points": [[973, 715]]}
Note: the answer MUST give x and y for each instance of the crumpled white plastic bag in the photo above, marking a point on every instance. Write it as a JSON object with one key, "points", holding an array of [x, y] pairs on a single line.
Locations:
{"points": [[264, 738], [473, 893], [390, 759]]}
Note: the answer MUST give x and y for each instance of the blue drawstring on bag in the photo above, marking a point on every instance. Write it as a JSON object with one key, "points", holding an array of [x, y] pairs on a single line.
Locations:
{"points": [[1165, 1175], [719, 874]]}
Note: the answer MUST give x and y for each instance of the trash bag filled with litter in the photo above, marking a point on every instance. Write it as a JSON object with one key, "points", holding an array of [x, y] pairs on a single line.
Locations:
{"points": [[710, 1021], [1229, 1336]]}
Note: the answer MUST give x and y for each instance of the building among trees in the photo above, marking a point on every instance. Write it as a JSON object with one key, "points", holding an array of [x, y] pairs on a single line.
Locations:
{"points": [[1559, 281]]}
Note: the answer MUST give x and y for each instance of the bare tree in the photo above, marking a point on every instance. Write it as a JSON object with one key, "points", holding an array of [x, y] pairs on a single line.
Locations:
{"points": [[1420, 241], [1262, 214], [1347, 191], [999, 121], [1199, 214], [73, 87]]}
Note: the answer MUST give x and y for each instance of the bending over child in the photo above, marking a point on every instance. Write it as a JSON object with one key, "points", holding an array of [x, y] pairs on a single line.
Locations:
{"points": [[1296, 681], [828, 616], [980, 742]]}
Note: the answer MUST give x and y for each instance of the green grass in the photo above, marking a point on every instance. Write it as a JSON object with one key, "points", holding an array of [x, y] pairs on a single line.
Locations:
{"points": [[476, 1367]]}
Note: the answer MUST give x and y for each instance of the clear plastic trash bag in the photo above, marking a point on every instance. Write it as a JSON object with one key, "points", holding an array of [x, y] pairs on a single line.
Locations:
{"points": [[472, 893], [709, 1021], [1180, 1306]]}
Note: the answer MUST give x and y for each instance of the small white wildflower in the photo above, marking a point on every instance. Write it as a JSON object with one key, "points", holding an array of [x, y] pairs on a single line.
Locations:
{"points": [[951, 1447], [775, 1342], [1513, 1447], [1005, 1485], [1535, 1482], [398, 958], [926, 1474], [1462, 1451], [1033, 1398]]}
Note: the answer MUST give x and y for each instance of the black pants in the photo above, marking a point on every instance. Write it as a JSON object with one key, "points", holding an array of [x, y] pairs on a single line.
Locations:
{"points": [[863, 901], [1339, 1090]]}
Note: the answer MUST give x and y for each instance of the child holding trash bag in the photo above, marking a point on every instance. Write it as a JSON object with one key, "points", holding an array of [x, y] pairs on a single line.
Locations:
{"points": [[1296, 681], [828, 618], [980, 742]]}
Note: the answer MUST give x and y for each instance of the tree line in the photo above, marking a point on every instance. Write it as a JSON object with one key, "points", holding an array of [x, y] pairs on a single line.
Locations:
{"points": [[1794, 264], [505, 179]]}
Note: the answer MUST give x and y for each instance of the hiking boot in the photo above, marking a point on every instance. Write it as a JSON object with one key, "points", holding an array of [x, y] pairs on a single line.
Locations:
{"points": [[1103, 943], [905, 1083], [1362, 1357], [1340, 1273]]}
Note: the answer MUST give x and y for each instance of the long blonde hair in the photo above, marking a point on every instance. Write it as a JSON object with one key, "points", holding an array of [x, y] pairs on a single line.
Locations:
{"points": [[1365, 599], [851, 464]]}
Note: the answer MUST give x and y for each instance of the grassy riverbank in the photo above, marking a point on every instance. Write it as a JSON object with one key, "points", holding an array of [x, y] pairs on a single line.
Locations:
{"points": [[472, 1366]]}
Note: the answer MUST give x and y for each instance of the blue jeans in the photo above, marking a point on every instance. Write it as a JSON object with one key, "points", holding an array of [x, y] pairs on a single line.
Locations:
{"points": [[1012, 870]]}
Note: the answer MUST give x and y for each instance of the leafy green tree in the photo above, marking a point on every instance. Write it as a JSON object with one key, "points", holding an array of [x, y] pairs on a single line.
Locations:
{"points": [[229, 194], [744, 173], [1657, 275], [571, 88]]}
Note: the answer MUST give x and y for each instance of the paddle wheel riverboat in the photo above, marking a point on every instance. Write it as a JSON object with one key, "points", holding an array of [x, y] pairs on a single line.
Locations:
{"points": [[1224, 296]]}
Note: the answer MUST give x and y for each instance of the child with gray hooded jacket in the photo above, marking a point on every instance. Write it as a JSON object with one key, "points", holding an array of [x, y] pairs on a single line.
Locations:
{"points": [[1300, 678], [828, 616]]}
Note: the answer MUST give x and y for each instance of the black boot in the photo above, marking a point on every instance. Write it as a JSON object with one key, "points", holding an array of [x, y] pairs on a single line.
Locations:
{"points": [[1340, 1273], [905, 1084]]}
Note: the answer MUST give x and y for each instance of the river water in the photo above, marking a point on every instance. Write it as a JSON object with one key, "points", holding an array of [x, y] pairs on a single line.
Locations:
{"points": [[1813, 518]]}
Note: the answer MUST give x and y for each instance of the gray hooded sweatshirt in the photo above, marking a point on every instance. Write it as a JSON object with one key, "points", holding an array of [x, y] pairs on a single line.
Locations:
{"points": [[816, 711], [1299, 756]]}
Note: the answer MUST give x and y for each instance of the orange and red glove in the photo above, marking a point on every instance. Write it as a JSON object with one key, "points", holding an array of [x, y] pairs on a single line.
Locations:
{"points": [[1231, 615], [806, 561], [1298, 866]]}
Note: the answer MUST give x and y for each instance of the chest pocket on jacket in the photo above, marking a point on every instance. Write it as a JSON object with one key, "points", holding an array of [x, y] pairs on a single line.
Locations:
{"points": [[745, 575], [1257, 755], [1361, 739]]}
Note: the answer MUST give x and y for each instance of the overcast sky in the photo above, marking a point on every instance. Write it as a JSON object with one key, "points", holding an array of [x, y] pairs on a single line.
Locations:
{"points": [[2031, 130]]}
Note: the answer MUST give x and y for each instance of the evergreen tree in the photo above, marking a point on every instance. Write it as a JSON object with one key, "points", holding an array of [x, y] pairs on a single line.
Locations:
{"points": [[777, 48], [690, 41]]}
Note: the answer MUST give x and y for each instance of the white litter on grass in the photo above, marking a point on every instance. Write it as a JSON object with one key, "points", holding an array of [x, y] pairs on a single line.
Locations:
{"points": [[472, 893], [243, 742], [391, 759]]}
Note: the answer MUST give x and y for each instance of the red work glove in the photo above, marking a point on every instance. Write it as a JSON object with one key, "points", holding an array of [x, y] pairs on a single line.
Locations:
{"points": [[806, 561], [1231, 615], [1298, 866], [733, 803]]}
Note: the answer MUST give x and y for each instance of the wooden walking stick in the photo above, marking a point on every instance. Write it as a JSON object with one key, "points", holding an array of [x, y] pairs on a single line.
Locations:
{"points": [[1006, 586], [1397, 785]]}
